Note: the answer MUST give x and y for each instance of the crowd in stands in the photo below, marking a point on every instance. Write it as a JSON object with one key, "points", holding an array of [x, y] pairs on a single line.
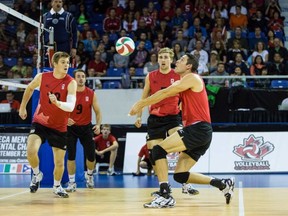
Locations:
{"points": [[237, 37]]}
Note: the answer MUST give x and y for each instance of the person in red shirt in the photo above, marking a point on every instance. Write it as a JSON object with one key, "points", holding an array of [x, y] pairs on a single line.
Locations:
{"points": [[80, 127], [14, 104], [164, 118], [192, 140], [56, 102], [106, 147], [143, 162]]}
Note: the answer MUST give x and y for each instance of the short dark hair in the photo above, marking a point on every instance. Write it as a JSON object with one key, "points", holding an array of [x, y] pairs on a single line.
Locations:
{"points": [[192, 60], [78, 70]]}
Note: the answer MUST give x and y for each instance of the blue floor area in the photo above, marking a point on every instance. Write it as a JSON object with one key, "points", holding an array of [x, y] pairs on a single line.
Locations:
{"points": [[129, 181]]}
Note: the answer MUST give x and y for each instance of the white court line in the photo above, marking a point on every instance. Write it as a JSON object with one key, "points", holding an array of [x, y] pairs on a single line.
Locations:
{"points": [[241, 200], [12, 195]]}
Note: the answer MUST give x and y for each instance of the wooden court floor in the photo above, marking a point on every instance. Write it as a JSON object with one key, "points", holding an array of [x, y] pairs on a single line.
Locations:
{"points": [[129, 201]]}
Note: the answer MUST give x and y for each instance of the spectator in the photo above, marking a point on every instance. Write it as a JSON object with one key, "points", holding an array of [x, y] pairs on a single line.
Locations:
{"points": [[239, 35], [238, 82], [243, 9], [257, 66], [260, 50], [106, 147], [234, 50], [263, 83], [96, 66], [213, 63], [19, 67], [143, 37], [271, 36], [119, 10], [21, 34], [177, 19], [79, 64], [86, 28], [198, 36], [196, 26], [272, 7], [14, 104], [220, 48], [222, 9], [148, 18], [30, 45], [120, 61], [100, 6], [202, 68], [219, 31], [238, 62], [278, 49], [166, 12], [130, 23], [277, 67], [222, 82], [238, 19], [185, 29], [255, 37], [140, 56], [152, 64], [178, 53], [112, 24], [143, 162], [90, 44], [165, 29], [276, 23], [180, 40], [82, 16], [257, 20], [203, 54]]}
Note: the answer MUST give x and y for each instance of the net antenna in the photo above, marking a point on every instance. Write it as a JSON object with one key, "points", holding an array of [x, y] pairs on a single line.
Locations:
{"points": [[41, 29]]}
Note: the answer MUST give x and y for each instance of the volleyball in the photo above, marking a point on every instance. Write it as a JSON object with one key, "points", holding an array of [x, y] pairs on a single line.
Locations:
{"points": [[125, 46]]}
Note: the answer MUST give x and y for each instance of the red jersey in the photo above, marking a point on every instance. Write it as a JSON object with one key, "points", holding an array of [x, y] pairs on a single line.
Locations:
{"points": [[46, 113], [82, 113], [101, 143], [158, 81], [144, 152], [195, 106]]}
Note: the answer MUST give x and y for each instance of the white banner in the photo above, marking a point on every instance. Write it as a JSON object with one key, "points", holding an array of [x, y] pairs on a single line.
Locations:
{"points": [[230, 152]]}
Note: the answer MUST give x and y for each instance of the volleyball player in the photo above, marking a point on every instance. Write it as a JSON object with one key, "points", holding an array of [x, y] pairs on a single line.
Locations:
{"points": [[192, 141], [56, 101], [80, 127], [164, 118]]}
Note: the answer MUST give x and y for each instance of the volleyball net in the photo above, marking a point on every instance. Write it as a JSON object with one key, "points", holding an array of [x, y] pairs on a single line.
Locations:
{"points": [[22, 41]]}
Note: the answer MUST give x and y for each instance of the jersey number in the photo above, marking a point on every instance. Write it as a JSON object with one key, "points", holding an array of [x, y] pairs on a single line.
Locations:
{"points": [[79, 109]]}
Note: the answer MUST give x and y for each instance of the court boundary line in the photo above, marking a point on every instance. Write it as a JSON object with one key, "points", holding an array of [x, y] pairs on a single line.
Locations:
{"points": [[241, 200], [13, 195]]}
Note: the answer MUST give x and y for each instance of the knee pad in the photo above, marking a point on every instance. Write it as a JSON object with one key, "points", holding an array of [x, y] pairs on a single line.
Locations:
{"points": [[151, 157], [158, 153], [181, 177]]}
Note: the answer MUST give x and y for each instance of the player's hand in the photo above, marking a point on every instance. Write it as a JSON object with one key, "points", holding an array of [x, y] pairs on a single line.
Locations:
{"points": [[23, 113], [136, 108], [70, 122], [53, 99], [138, 122], [96, 129]]}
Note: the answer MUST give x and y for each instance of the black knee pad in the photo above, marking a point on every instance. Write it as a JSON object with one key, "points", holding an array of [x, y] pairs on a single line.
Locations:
{"points": [[151, 157], [158, 153], [181, 177]]}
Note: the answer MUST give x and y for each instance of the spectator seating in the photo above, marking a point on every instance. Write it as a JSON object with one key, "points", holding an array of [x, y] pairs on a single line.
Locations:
{"points": [[10, 61], [139, 72], [114, 72], [111, 84], [98, 27], [28, 60], [279, 84]]}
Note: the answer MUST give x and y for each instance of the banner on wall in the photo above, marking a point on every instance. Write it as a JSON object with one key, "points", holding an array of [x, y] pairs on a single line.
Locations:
{"points": [[230, 152], [13, 154]]}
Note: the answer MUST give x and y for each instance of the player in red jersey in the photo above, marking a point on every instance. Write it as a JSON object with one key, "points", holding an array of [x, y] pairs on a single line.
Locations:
{"points": [[57, 100], [192, 141], [106, 147], [80, 127], [164, 118], [143, 162]]}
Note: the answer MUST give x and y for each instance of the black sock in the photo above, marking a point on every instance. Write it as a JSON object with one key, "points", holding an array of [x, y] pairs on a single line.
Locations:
{"points": [[164, 189], [218, 183]]}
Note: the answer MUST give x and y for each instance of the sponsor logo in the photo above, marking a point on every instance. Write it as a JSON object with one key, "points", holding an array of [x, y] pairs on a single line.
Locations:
{"points": [[252, 152]]}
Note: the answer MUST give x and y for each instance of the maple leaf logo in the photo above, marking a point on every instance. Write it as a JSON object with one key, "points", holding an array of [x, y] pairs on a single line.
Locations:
{"points": [[253, 148]]}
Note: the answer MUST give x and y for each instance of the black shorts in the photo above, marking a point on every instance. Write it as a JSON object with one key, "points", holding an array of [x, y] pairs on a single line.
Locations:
{"points": [[158, 127], [85, 135], [104, 159], [54, 137], [197, 138]]}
